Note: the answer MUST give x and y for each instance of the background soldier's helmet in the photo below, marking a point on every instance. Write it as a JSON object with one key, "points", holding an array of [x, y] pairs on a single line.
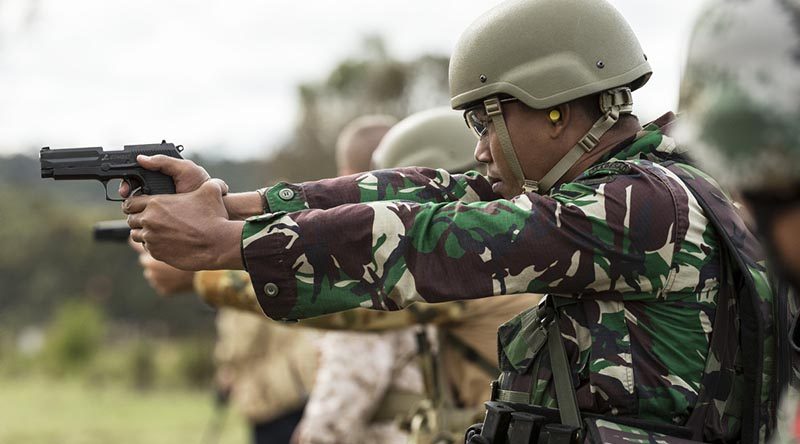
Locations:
{"points": [[435, 138], [545, 53], [741, 93]]}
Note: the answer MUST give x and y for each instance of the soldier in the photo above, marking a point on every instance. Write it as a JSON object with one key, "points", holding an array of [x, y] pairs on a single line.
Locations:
{"points": [[265, 369], [465, 356], [580, 201], [455, 374], [740, 94], [361, 376]]}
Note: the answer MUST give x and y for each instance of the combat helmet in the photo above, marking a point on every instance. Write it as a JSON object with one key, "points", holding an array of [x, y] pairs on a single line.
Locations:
{"points": [[435, 138], [546, 53], [740, 95]]}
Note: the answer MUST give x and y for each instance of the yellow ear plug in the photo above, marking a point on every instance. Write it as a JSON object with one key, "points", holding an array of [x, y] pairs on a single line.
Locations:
{"points": [[555, 115]]}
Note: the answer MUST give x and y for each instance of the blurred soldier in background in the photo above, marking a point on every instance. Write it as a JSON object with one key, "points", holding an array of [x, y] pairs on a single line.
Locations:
{"points": [[362, 377], [459, 364], [741, 97], [265, 370]]}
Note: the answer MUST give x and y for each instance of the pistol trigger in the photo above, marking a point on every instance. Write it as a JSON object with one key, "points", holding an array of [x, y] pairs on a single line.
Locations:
{"points": [[134, 188], [108, 197]]}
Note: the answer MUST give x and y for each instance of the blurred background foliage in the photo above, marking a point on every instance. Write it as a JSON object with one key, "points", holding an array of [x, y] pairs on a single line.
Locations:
{"points": [[77, 316]]}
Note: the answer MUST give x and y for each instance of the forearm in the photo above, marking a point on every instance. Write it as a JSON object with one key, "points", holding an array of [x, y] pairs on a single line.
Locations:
{"points": [[240, 206], [421, 185]]}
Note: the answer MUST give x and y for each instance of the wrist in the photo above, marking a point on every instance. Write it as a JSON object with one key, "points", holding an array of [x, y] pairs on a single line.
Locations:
{"points": [[229, 252], [240, 206]]}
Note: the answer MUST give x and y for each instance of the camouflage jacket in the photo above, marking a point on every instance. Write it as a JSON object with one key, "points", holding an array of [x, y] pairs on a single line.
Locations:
{"points": [[626, 238], [472, 323]]}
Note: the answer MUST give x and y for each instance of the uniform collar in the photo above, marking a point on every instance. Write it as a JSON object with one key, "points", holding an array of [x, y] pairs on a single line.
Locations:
{"points": [[651, 143]]}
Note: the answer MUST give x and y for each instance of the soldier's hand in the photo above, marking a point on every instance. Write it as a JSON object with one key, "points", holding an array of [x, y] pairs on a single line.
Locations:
{"points": [[189, 231], [165, 279], [188, 176]]}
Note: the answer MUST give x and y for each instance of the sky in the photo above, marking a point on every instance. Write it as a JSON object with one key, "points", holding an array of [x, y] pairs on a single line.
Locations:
{"points": [[219, 77]]}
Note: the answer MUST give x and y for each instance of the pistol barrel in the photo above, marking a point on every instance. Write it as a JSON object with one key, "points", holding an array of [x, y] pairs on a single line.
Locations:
{"points": [[111, 231]]}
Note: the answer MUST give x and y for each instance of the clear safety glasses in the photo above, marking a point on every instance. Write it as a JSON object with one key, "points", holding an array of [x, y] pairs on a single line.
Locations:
{"points": [[478, 120]]}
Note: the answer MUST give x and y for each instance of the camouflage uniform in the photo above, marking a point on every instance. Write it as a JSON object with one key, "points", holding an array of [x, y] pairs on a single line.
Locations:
{"points": [[357, 372], [626, 239], [270, 366]]}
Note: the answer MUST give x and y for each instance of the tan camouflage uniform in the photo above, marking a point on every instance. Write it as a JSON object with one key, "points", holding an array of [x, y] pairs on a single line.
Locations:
{"points": [[473, 323], [357, 371], [269, 366]]}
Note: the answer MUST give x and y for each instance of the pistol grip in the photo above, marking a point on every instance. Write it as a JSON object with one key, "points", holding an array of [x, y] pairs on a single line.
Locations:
{"points": [[154, 182]]}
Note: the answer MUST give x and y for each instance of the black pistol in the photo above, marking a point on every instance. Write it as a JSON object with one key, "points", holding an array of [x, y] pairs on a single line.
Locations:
{"points": [[111, 231], [96, 164]]}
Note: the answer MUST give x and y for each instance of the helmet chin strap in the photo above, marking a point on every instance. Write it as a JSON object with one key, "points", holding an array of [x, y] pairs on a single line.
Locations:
{"points": [[613, 103]]}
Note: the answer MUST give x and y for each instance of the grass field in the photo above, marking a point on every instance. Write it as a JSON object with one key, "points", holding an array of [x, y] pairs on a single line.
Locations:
{"points": [[43, 411]]}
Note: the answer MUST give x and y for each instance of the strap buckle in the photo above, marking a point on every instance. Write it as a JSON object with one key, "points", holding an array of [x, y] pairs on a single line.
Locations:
{"points": [[621, 98], [588, 142], [492, 106]]}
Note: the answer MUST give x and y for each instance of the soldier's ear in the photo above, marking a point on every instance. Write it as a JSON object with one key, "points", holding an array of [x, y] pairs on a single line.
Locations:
{"points": [[559, 118]]}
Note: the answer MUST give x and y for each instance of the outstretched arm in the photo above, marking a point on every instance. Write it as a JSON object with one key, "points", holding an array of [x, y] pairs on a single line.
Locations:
{"points": [[612, 236]]}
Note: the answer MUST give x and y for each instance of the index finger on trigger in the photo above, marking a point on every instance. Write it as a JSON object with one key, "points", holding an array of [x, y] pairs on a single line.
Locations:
{"points": [[124, 189], [135, 204]]}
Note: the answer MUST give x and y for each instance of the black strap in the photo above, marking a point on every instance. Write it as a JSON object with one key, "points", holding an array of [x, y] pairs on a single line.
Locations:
{"points": [[749, 312], [471, 355], [562, 372]]}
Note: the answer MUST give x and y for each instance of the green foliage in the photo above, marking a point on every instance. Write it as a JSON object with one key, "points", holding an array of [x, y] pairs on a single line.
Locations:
{"points": [[74, 338], [195, 363], [142, 365]]}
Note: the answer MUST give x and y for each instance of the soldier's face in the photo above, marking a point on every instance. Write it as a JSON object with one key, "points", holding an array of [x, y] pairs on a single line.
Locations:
{"points": [[533, 139], [778, 220]]}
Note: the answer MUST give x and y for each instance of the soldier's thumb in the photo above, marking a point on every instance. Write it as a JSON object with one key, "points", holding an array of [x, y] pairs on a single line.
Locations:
{"points": [[167, 165]]}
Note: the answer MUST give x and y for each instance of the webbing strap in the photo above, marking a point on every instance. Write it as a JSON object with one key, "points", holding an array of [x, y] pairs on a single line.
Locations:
{"points": [[562, 375], [613, 103], [495, 112], [396, 403], [585, 145], [471, 355], [512, 396]]}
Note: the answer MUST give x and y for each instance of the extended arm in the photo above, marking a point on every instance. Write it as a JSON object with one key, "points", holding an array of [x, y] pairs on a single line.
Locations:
{"points": [[232, 289], [386, 255]]}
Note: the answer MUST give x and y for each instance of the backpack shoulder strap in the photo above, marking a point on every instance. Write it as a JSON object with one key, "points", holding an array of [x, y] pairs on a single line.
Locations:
{"points": [[754, 298]]}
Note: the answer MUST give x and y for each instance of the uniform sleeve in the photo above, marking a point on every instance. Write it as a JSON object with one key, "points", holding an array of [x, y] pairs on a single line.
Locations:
{"points": [[227, 289], [232, 289], [409, 184], [612, 233]]}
